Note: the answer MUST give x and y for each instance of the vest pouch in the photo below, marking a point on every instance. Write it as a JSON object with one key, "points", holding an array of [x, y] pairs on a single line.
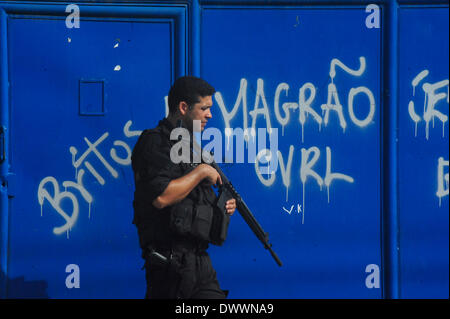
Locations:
{"points": [[201, 225], [219, 229], [224, 228], [181, 218]]}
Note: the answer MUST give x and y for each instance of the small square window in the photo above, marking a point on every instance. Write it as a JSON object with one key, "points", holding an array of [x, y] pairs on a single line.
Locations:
{"points": [[92, 97]]}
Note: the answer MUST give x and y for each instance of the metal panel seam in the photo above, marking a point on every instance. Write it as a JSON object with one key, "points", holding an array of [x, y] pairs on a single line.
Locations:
{"points": [[195, 27], [4, 116], [334, 3], [390, 158]]}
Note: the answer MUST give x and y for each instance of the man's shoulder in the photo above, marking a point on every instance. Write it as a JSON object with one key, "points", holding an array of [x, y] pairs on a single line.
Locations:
{"points": [[153, 136], [150, 135], [151, 141]]}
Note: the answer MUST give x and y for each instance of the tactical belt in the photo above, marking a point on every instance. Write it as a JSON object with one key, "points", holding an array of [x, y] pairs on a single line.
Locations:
{"points": [[184, 245]]}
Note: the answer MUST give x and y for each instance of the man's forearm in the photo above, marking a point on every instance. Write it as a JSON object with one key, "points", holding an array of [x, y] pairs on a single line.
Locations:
{"points": [[179, 188]]}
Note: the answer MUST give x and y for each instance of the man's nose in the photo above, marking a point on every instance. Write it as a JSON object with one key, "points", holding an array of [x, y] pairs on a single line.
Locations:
{"points": [[209, 114]]}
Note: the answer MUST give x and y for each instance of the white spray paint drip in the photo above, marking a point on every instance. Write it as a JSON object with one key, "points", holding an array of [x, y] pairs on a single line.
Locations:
{"points": [[413, 116], [442, 190], [269, 160], [286, 106], [303, 132], [246, 134], [69, 40], [425, 104], [303, 203], [286, 169], [305, 106], [228, 132], [306, 169], [336, 106], [246, 138], [443, 129], [166, 102], [117, 68], [432, 119]]}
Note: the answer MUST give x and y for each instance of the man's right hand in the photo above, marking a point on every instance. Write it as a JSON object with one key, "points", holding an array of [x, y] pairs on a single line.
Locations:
{"points": [[179, 188], [211, 175]]}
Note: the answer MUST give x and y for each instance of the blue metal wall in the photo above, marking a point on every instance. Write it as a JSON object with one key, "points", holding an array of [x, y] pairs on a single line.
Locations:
{"points": [[358, 204]]}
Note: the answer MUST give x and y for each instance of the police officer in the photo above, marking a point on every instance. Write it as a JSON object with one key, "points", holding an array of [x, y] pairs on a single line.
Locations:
{"points": [[174, 203]]}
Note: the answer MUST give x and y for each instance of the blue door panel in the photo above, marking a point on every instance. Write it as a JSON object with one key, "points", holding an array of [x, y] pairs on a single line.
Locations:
{"points": [[77, 103], [328, 242], [423, 152], [313, 76]]}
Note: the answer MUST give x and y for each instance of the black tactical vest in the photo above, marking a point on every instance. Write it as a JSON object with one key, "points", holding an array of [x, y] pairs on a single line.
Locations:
{"points": [[155, 227]]}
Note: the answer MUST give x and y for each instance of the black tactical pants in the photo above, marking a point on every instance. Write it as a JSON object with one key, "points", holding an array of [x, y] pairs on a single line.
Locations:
{"points": [[189, 275]]}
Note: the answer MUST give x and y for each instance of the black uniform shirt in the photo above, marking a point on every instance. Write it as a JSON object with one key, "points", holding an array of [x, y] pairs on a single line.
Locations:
{"points": [[153, 171]]}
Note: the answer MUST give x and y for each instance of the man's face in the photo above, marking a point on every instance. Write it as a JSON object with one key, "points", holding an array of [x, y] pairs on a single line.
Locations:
{"points": [[201, 111]]}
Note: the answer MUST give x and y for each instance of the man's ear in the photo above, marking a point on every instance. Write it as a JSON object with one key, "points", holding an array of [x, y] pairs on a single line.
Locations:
{"points": [[183, 107]]}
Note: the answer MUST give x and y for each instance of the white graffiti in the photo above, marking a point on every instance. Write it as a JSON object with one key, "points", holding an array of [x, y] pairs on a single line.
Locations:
{"points": [[55, 201], [306, 97], [431, 99], [282, 112], [306, 169], [92, 150], [442, 189], [333, 95], [299, 209], [430, 112]]}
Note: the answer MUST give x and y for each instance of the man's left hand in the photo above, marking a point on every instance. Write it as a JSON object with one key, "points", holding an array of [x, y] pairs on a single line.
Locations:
{"points": [[230, 206]]}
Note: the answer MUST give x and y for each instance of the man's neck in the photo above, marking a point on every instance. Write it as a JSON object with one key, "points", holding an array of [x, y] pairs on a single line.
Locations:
{"points": [[174, 120]]}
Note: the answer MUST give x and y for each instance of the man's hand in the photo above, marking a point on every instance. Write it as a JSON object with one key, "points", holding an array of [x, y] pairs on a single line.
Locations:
{"points": [[179, 188], [230, 206], [211, 175]]}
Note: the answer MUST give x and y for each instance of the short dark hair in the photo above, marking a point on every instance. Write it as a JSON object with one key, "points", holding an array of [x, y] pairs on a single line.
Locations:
{"points": [[188, 89]]}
